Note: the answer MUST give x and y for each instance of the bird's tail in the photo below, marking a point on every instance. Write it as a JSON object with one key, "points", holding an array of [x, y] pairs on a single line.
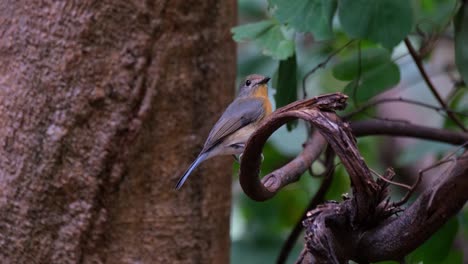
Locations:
{"points": [[187, 173]]}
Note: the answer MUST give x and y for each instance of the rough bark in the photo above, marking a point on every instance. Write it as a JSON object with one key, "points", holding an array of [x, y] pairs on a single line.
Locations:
{"points": [[99, 114]]}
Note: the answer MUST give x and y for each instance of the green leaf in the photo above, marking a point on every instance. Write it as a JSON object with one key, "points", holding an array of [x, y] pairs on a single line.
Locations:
{"points": [[461, 41], [459, 103], [463, 218], [268, 35], [249, 251], [384, 21], [373, 82], [437, 248], [454, 257], [306, 15], [374, 73], [339, 186], [348, 69], [286, 84], [438, 12], [251, 31]]}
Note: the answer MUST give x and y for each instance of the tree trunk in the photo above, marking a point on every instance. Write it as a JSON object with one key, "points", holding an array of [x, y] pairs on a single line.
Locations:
{"points": [[103, 104]]}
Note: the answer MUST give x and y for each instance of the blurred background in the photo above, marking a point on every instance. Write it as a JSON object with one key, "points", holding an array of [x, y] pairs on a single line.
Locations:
{"points": [[259, 229]]}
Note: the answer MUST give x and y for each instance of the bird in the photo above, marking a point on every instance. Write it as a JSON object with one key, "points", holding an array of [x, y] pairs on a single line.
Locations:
{"points": [[240, 119]]}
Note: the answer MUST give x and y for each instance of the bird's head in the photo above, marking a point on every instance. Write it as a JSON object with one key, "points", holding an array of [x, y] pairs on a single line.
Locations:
{"points": [[254, 85]]}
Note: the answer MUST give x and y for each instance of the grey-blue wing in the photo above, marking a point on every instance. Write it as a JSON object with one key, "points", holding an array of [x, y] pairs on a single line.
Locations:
{"points": [[238, 114]]}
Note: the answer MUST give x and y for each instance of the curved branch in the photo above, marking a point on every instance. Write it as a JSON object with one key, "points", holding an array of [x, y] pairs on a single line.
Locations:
{"points": [[292, 171], [396, 238], [381, 127], [381, 101], [250, 164], [313, 147], [317, 112], [354, 228]]}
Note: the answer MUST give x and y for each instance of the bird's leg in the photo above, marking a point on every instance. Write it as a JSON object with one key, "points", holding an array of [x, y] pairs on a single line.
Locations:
{"points": [[238, 159]]}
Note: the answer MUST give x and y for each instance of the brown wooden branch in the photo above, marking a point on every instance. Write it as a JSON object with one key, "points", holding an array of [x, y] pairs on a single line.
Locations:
{"points": [[331, 236], [396, 238], [317, 111], [419, 64], [339, 232], [380, 101], [250, 165], [313, 147], [361, 128], [391, 128], [291, 172]]}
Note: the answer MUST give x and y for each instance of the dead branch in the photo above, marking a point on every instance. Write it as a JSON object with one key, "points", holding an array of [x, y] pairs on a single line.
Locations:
{"points": [[317, 111], [338, 232], [389, 128], [313, 147], [397, 237]]}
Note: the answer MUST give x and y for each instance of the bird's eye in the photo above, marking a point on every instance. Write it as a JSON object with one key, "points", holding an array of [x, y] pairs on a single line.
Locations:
{"points": [[248, 82]]}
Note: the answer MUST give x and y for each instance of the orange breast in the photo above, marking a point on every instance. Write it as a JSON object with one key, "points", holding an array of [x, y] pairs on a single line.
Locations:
{"points": [[262, 93], [267, 105]]}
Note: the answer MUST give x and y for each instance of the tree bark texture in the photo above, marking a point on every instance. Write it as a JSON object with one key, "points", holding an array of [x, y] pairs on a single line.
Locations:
{"points": [[102, 106]]}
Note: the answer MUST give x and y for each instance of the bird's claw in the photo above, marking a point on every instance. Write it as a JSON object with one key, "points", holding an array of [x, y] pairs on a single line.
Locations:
{"points": [[239, 158]]}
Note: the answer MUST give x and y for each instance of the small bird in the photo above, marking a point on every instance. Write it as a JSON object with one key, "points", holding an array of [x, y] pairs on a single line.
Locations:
{"points": [[240, 119]]}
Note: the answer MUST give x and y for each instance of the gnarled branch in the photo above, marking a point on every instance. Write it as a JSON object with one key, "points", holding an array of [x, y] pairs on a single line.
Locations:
{"points": [[396, 238], [317, 111], [337, 232]]}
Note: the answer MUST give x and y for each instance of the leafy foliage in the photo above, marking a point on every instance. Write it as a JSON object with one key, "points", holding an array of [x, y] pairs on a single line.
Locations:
{"points": [[313, 16], [286, 83], [461, 41], [290, 35], [385, 21], [268, 35], [370, 72]]}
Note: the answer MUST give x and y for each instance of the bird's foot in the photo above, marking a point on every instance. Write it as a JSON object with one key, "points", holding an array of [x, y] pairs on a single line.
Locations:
{"points": [[239, 158]]}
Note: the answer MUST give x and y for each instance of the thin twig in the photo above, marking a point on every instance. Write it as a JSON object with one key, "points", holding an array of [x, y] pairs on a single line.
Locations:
{"points": [[434, 207], [419, 64], [421, 172], [390, 181], [356, 83], [410, 192], [378, 127], [400, 57], [321, 65], [402, 100]]}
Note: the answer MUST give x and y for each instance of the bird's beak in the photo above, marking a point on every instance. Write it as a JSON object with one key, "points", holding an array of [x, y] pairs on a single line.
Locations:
{"points": [[265, 80]]}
